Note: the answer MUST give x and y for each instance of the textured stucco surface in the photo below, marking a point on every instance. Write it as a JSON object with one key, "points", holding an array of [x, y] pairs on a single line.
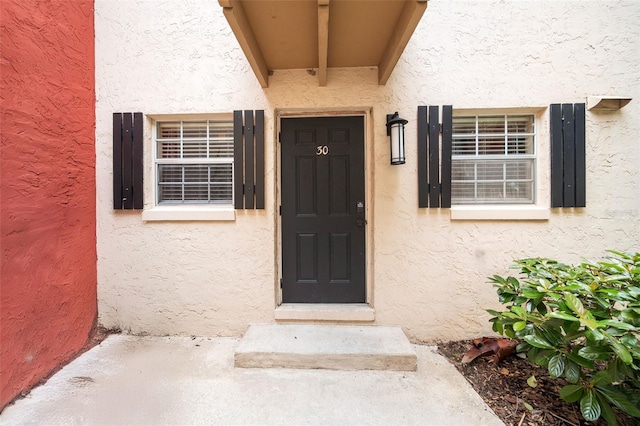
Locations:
{"points": [[47, 232], [426, 273]]}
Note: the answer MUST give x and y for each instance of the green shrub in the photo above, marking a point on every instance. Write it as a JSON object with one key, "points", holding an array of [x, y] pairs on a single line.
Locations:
{"points": [[581, 323]]}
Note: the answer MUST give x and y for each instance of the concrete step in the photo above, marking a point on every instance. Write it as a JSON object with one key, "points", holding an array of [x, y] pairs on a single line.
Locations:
{"points": [[335, 347]]}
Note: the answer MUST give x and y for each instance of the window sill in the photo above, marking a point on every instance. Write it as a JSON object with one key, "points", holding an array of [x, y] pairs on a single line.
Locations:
{"points": [[189, 213], [500, 213]]}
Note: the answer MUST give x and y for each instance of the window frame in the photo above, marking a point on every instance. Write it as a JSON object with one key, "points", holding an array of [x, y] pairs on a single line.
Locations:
{"points": [[186, 161], [531, 158], [178, 212]]}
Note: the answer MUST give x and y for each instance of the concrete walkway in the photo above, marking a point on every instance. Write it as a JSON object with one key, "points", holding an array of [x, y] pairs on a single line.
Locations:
{"points": [[192, 381]]}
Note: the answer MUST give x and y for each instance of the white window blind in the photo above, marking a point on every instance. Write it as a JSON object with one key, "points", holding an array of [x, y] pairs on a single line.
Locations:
{"points": [[194, 162], [493, 159]]}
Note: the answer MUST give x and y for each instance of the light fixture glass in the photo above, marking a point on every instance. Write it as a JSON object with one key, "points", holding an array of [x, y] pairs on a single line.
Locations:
{"points": [[395, 131]]}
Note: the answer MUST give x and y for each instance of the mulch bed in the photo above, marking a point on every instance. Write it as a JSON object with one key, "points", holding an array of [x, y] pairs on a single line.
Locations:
{"points": [[504, 388]]}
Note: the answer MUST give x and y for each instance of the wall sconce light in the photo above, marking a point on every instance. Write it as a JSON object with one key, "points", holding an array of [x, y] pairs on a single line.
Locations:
{"points": [[606, 103], [395, 131]]}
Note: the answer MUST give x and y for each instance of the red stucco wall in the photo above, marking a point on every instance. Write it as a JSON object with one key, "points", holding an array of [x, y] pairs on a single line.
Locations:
{"points": [[47, 187]]}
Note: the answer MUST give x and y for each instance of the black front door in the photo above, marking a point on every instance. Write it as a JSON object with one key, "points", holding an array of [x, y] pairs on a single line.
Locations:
{"points": [[323, 219]]}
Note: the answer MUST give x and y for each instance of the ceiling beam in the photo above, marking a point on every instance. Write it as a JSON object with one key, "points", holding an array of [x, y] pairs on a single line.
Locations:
{"points": [[323, 41], [406, 25], [234, 12]]}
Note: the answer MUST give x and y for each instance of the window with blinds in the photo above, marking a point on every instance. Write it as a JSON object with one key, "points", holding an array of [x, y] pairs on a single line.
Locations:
{"points": [[194, 162], [493, 159]]}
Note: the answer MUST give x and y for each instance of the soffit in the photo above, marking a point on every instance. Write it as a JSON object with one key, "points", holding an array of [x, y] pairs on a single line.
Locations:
{"points": [[321, 34]]}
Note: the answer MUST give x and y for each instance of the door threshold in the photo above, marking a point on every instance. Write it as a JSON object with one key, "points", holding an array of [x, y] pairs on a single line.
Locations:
{"points": [[332, 312]]}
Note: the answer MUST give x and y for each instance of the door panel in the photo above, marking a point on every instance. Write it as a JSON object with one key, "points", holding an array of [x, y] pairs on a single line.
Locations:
{"points": [[339, 181], [323, 232], [340, 254], [306, 187], [307, 252]]}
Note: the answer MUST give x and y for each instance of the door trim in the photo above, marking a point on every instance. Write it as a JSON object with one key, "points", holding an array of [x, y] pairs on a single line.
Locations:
{"points": [[365, 112]]}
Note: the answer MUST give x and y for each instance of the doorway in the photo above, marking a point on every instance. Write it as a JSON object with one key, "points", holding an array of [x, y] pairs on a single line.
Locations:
{"points": [[323, 210]]}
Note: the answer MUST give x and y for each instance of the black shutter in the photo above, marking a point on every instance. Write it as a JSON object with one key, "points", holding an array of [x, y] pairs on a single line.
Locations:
{"points": [[581, 155], [259, 135], [433, 147], [434, 165], [568, 160], [248, 136], [447, 143], [555, 120], [423, 180], [249, 168], [127, 161], [238, 160]]}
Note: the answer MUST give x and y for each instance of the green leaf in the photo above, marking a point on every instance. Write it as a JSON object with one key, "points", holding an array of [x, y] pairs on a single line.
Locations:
{"points": [[513, 282], [527, 405], [572, 371], [617, 324], [588, 321], [505, 298], [538, 342], [562, 315], [556, 366], [590, 407], [519, 300], [528, 329], [497, 279], [571, 327], [519, 325], [594, 353], [583, 362], [619, 277], [629, 340], [552, 334], [519, 311], [531, 381], [531, 294], [620, 400], [541, 307], [629, 315], [615, 332], [613, 371], [523, 346], [574, 304], [620, 350], [542, 358], [602, 378], [607, 412], [594, 334], [572, 393], [509, 333]]}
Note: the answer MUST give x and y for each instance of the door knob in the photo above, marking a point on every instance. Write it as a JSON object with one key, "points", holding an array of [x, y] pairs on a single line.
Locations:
{"points": [[360, 222]]}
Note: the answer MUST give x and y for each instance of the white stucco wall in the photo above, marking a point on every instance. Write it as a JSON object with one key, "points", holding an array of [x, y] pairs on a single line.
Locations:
{"points": [[427, 272]]}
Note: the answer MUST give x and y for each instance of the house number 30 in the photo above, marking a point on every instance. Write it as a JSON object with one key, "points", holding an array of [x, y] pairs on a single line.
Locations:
{"points": [[322, 150]]}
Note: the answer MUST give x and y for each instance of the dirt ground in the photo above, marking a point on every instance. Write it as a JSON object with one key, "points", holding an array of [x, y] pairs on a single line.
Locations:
{"points": [[504, 388]]}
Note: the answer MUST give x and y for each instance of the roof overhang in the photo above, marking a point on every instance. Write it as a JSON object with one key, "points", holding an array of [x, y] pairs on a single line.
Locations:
{"points": [[322, 34]]}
